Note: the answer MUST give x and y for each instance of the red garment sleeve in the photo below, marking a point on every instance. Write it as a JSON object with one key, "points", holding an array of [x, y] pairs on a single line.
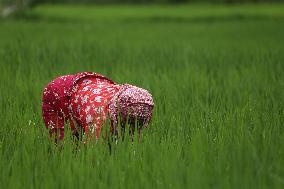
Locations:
{"points": [[54, 122], [94, 128]]}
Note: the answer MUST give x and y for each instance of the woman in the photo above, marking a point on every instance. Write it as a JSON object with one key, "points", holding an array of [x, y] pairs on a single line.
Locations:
{"points": [[87, 99]]}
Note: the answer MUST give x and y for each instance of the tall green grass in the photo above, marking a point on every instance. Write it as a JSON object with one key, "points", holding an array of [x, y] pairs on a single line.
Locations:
{"points": [[217, 84]]}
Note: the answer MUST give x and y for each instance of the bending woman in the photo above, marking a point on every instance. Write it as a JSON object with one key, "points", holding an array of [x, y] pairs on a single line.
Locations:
{"points": [[87, 99]]}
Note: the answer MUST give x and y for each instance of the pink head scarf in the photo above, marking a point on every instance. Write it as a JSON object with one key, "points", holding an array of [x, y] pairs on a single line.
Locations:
{"points": [[131, 103]]}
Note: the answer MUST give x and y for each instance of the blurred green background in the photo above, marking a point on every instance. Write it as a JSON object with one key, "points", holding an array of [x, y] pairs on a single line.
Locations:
{"points": [[216, 73], [22, 4]]}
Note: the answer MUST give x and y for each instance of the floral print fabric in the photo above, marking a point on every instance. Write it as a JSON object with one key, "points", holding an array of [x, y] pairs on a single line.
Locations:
{"points": [[56, 101], [55, 105], [89, 103]]}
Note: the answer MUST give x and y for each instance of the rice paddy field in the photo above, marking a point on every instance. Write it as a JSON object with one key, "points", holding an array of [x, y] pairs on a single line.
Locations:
{"points": [[216, 73]]}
